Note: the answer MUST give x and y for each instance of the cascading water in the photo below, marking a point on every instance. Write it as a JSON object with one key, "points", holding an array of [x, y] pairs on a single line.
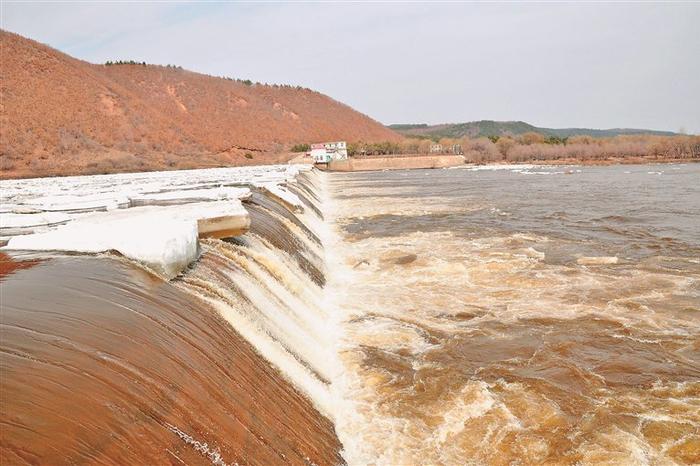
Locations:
{"points": [[269, 285], [266, 284]]}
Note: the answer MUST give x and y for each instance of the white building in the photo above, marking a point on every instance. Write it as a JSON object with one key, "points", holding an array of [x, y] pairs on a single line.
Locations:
{"points": [[318, 153], [326, 151]]}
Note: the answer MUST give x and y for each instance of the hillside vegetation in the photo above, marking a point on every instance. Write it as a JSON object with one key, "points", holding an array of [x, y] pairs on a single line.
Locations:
{"points": [[486, 128], [61, 116]]}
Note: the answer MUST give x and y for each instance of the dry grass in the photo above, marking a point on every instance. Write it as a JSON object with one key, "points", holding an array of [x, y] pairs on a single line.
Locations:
{"points": [[60, 116]]}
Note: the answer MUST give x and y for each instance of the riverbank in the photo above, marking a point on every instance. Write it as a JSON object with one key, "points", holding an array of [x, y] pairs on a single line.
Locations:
{"points": [[421, 161], [611, 161]]}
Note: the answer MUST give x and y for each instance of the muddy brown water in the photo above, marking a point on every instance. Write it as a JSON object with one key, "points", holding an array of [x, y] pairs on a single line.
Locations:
{"points": [[476, 334], [104, 363]]}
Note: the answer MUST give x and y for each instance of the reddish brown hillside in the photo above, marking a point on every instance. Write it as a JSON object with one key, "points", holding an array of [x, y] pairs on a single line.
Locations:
{"points": [[60, 115]]}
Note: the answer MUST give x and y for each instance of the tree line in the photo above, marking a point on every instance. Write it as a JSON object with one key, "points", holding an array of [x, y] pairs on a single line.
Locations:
{"points": [[537, 147], [247, 82], [125, 62]]}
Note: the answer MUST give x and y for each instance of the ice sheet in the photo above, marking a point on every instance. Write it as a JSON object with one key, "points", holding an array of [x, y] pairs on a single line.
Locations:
{"points": [[163, 238], [180, 206]]}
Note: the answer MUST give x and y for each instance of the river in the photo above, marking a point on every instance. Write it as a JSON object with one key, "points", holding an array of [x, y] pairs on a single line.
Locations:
{"points": [[522, 315]]}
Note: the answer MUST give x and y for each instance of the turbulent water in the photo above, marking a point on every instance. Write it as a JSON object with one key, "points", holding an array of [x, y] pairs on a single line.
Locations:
{"points": [[103, 362], [528, 316], [517, 316]]}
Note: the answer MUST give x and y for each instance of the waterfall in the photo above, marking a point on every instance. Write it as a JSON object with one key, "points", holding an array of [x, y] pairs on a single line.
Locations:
{"points": [[267, 287], [268, 284]]}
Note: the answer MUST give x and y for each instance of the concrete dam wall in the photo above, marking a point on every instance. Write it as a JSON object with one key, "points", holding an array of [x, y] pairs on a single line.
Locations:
{"points": [[396, 163]]}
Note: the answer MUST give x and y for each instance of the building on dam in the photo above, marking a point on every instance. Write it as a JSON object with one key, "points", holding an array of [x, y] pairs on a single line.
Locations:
{"points": [[325, 152]]}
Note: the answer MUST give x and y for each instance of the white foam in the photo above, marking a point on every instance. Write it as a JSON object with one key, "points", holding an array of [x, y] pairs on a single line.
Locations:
{"points": [[480, 402], [601, 260], [503, 166]]}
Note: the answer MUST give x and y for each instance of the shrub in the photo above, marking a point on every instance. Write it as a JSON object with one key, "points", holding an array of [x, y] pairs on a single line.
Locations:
{"points": [[556, 140], [125, 62], [300, 147], [531, 138], [6, 164], [248, 155], [581, 140], [504, 145], [480, 150]]}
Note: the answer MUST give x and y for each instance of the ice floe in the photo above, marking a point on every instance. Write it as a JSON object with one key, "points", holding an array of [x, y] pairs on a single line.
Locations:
{"points": [[163, 238], [186, 196], [154, 218], [282, 194], [19, 224]]}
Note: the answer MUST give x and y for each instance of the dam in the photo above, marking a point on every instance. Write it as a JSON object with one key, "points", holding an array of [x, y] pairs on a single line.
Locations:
{"points": [[393, 162], [399, 317], [166, 340]]}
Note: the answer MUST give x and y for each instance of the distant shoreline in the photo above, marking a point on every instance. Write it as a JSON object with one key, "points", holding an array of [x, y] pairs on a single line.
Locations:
{"points": [[605, 162], [412, 161], [294, 158]]}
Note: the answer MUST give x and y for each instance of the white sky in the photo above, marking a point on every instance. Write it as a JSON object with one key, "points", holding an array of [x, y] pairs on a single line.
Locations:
{"points": [[556, 65]]}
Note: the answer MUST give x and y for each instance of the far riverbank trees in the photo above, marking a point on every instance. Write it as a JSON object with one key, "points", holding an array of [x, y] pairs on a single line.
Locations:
{"points": [[536, 147]]}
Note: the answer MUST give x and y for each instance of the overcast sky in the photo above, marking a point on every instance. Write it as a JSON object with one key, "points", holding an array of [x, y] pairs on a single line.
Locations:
{"points": [[556, 65]]}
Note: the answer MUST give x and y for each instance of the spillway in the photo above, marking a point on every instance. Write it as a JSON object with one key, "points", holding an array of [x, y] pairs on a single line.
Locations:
{"points": [[106, 360]]}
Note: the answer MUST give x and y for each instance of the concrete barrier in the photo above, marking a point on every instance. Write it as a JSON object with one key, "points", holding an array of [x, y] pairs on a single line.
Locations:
{"points": [[394, 163]]}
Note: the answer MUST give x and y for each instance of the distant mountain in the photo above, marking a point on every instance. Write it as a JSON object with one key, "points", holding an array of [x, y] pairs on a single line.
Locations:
{"points": [[60, 116], [501, 128]]}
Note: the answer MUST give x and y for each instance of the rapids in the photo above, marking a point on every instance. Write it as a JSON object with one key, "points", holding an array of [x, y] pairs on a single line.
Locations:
{"points": [[532, 315]]}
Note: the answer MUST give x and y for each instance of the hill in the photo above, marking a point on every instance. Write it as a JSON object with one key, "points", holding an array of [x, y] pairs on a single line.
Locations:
{"points": [[60, 116], [501, 128]]}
